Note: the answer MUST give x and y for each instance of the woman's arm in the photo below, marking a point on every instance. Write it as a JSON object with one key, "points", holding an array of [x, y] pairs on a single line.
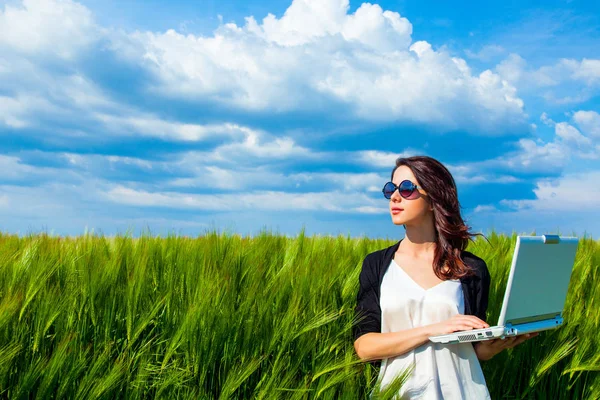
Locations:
{"points": [[375, 346]]}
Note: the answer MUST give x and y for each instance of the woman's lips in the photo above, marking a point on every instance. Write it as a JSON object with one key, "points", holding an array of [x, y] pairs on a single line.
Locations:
{"points": [[396, 210]]}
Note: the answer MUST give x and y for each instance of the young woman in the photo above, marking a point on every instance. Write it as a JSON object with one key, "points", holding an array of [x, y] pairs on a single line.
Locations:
{"points": [[424, 285]]}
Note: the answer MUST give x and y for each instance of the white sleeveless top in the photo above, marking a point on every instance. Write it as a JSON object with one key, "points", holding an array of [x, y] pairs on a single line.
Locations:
{"points": [[441, 371]]}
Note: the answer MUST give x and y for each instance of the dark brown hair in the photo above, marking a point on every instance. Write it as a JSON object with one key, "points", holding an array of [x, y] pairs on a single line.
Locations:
{"points": [[452, 234]]}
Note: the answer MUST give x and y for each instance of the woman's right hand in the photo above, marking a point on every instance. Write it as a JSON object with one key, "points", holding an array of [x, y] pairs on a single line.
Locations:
{"points": [[458, 322]]}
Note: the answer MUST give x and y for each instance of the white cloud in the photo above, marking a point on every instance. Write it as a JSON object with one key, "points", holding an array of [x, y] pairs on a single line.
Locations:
{"points": [[380, 159], [210, 176], [488, 178], [566, 81], [349, 182], [306, 21], [12, 168], [259, 144], [588, 122], [537, 155], [486, 53], [364, 60], [484, 208], [11, 111], [547, 120], [515, 69], [149, 125], [14, 111], [475, 173], [571, 135], [130, 161], [59, 28], [574, 192], [317, 57], [586, 70], [244, 202], [260, 177], [534, 156], [35, 94]]}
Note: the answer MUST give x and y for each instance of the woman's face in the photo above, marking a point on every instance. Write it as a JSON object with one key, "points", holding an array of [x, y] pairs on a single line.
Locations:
{"points": [[413, 210]]}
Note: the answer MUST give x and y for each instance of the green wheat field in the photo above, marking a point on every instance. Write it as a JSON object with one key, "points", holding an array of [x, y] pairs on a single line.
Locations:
{"points": [[223, 316]]}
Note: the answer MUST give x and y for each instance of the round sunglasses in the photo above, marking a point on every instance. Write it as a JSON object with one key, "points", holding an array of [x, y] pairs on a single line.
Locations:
{"points": [[406, 189]]}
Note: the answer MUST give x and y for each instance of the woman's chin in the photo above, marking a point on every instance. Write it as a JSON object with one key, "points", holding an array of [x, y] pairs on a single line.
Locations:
{"points": [[398, 221]]}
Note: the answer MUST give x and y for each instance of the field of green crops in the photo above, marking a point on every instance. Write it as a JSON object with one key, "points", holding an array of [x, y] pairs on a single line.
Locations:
{"points": [[224, 316]]}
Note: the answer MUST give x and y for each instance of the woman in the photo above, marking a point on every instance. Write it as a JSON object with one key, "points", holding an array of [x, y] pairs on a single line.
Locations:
{"points": [[424, 285]]}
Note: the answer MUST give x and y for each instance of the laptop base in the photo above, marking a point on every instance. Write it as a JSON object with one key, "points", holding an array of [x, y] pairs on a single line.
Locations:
{"points": [[497, 332]]}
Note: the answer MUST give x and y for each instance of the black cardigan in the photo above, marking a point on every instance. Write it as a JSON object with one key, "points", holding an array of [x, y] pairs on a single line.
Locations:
{"points": [[368, 311]]}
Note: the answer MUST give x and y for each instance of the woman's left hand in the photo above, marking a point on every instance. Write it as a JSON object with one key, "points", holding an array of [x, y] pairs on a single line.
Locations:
{"points": [[489, 348]]}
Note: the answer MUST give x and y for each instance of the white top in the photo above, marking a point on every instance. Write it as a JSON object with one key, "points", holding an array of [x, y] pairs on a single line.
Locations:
{"points": [[442, 371]]}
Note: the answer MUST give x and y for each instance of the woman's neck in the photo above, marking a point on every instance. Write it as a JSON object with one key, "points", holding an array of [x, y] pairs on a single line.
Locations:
{"points": [[418, 241]]}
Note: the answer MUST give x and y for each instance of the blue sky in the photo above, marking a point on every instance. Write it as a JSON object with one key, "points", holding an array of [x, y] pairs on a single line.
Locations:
{"points": [[184, 116]]}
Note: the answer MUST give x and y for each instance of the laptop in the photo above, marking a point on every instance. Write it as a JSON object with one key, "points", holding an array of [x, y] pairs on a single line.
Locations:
{"points": [[536, 290]]}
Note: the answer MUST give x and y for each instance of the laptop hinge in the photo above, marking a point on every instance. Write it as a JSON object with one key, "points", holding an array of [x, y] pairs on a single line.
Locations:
{"points": [[551, 239], [518, 321]]}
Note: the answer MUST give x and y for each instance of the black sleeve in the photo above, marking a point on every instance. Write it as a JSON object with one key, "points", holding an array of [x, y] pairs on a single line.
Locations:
{"points": [[483, 291], [367, 311]]}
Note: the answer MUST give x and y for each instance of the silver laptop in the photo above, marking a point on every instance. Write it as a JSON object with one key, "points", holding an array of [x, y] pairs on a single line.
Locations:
{"points": [[536, 290]]}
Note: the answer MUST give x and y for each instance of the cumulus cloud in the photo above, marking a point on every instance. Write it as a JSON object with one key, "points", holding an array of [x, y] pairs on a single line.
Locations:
{"points": [[308, 20], [567, 81], [257, 144], [587, 70], [316, 59], [486, 53], [12, 110], [484, 208], [13, 169], [33, 94], [259, 200], [149, 125], [588, 122], [516, 69], [535, 156], [380, 159], [569, 134], [57, 28], [547, 120], [260, 177], [349, 182], [319, 56], [571, 192]]}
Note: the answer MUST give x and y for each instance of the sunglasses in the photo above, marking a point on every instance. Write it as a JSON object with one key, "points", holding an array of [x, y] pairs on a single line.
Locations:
{"points": [[406, 189]]}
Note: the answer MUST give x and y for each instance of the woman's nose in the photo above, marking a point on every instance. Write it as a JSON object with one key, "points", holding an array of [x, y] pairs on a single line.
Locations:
{"points": [[396, 196]]}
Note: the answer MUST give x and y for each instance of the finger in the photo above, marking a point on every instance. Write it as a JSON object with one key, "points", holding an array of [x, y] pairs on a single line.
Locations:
{"points": [[500, 344], [519, 341], [476, 321], [490, 342], [522, 338], [462, 327], [510, 342]]}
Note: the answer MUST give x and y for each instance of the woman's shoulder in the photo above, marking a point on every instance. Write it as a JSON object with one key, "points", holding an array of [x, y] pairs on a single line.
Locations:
{"points": [[475, 262], [375, 258]]}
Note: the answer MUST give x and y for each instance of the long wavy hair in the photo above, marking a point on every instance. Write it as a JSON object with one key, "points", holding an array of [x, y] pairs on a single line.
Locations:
{"points": [[452, 234]]}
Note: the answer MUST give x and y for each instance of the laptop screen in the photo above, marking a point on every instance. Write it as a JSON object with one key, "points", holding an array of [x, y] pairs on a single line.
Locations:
{"points": [[539, 278]]}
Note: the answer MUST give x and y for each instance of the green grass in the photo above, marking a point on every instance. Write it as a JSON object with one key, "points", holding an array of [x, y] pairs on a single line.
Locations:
{"points": [[223, 316]]}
